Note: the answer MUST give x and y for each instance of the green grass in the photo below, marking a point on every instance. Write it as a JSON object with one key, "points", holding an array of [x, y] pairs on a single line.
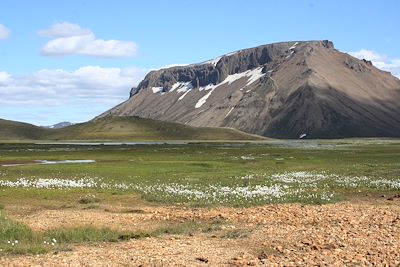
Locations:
{"points": [[11, 231], [17, 238], [170, 174]]}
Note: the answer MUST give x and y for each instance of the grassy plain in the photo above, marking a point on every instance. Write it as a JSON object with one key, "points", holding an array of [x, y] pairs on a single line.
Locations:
{"points": [[186, 175]]}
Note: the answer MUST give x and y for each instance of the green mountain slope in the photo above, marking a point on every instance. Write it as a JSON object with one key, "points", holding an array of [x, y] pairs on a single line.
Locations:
{"points": [[12, 130], [120, 128]]}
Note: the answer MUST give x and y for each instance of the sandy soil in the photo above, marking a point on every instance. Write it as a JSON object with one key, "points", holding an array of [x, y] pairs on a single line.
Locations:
{"points": [[345, 234]]}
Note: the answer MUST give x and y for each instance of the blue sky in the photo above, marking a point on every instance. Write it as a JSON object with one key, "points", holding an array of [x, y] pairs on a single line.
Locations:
{"points": [[71, 60]]}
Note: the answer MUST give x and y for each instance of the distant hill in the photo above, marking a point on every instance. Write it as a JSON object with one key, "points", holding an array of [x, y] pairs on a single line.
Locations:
{"points": [[12, 130], [120, 128], [281, 90], [134, 128], [59, 125]]}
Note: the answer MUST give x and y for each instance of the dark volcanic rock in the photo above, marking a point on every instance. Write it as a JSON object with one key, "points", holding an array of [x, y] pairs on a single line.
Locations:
{"points": [[280, 90], [134, 91]]}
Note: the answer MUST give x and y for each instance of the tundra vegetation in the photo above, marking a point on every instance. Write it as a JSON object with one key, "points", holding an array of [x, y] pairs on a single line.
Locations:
{"points": [[36, 177]]}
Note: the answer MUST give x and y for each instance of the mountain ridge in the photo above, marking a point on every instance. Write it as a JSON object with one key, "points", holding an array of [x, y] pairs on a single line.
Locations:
{"points": [[280, 90]]}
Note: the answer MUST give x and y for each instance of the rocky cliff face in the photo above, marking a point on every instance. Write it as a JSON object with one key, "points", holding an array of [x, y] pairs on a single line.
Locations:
{"points": [[283, 90]]}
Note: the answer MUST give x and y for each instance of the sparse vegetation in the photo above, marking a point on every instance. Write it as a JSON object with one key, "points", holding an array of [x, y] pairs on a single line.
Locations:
{"points": [[189, 228], [88, 199], [81, 235], [17, 238], [236, 233]]}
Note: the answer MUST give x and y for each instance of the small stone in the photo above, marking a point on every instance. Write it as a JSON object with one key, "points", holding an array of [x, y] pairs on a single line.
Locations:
{"points": [[202, 259], [315, 247]]}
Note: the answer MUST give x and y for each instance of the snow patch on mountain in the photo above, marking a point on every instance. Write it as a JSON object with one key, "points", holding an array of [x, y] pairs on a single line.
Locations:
{"points": [[183, 96], [156, 89], [229, 112], [203, 100], [251, 75], [214, 61], [59, 125], [207, 87], [254, 75], [181, 87], [294, 46]]}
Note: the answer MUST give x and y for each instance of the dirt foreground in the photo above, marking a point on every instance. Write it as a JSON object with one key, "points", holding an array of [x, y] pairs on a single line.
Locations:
{"points": [[365, 233]]}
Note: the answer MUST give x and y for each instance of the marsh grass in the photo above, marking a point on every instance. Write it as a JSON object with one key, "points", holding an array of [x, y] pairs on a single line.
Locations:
{"points": [[201, 175]]}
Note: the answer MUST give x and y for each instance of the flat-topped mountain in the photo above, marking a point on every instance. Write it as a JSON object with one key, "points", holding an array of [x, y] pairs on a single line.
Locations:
{"points": [[283, 90]]}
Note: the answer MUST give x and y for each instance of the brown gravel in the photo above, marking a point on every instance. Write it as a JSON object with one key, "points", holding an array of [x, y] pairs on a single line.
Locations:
{"points": [[344, 234]]}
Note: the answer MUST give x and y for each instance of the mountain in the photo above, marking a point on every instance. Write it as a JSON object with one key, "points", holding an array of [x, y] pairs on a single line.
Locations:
{"points": [[121, 129], [60, 125], [283, 90]]}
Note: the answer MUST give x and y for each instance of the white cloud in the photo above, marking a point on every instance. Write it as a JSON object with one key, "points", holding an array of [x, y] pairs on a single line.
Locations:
{"points": [[71, 39], [4, 78], [4, 32], [64, 29], [380, 61], [368, 55], [87, 86], [47, 96]]}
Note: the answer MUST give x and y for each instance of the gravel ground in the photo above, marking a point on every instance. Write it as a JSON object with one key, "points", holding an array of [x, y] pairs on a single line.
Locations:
{"points": [[365, 233]]}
